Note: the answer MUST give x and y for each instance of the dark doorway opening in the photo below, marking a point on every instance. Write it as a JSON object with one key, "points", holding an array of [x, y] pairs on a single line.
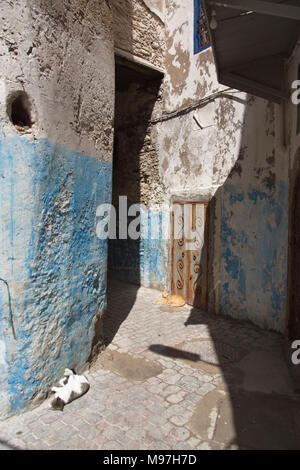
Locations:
{"points": [[137, 88], [136, 93]]}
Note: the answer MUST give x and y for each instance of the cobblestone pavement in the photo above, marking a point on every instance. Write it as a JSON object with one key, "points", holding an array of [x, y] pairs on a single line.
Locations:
{"points": [[160, 385]]}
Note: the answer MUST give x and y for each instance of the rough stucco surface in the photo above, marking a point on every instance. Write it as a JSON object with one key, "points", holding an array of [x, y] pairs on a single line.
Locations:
{"points": [[62, 55], [254, 225], [53, 176], [53, 262], [157, 7], [195, 157], [237, 162], [189, 77], [55, 265]]}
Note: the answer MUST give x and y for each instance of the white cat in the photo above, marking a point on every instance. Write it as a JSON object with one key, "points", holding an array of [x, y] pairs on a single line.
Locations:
{"points": [[71, 386]]}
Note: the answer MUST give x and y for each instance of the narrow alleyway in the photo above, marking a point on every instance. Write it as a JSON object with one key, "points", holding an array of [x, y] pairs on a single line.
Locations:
{"points": [[150, 390]]}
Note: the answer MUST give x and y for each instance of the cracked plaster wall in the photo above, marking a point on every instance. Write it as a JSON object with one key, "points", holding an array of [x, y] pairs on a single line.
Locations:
{"points": [[237, 161], [53, 263], [53, 177]]}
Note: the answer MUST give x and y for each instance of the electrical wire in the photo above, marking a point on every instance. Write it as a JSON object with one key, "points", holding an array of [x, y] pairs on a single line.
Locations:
{"points": [[186, 110]]}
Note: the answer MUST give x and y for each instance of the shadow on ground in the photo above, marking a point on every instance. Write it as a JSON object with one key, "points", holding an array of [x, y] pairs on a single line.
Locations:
{"points": [[254, 406], [5, 446], [118, 308]]}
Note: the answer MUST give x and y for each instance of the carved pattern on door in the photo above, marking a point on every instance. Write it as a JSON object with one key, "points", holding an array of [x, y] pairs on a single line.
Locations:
{"points": [[189, 263]]}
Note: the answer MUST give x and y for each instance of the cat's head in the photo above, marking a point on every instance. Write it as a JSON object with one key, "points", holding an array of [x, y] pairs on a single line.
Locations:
{"points": [[57, 403]]}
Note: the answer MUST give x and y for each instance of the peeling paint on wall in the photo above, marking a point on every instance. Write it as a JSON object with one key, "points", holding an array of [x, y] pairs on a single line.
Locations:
{"points": [[189, 77], [52, 259], [237, 164], [52, 178], [254, 254]]}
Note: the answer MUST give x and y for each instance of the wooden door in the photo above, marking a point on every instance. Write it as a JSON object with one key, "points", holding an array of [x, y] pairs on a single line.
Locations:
{"points": [[294, 292], [189, 266]]}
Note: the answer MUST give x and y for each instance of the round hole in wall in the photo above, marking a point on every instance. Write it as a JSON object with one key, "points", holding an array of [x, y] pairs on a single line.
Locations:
{"points": [[19, 110]]}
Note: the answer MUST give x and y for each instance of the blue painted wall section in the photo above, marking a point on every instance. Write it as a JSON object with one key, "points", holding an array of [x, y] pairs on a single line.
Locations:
{"points": [[142, 261], [254, 253], [52, 259]]}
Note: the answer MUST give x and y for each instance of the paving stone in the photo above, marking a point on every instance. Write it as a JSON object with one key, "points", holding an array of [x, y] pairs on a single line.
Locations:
{"points": [[171, 410], [193, 442], [172, 389], [180, 420], [65, 433], [158, 445], [110, 445], [64, 445], [114, 418], [134, 419], [50, 417], [88, 445], [157, 433], [182, 446], [174, 410], [40, 445], [88, 432], [73, 419], [136, 433], [192, 398], [27, 439], [92, 417], [205, 388], [41, 431], [113, 433], [156, 408], [158, 420], [178, 434]]}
